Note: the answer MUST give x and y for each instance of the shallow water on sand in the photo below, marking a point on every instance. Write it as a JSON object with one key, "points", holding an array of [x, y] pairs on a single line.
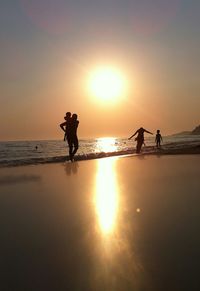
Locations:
{"points": [[128, 223]]}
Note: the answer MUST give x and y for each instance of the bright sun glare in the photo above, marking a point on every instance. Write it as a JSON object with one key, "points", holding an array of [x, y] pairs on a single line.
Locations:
{"points": [[107, 84]]}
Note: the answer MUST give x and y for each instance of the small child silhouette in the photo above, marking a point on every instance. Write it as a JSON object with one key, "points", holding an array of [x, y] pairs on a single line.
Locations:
{"points": [[158, 139]]}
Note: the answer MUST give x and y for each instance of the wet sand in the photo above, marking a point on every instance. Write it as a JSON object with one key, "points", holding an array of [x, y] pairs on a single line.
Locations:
{"points": [[118, 223]]}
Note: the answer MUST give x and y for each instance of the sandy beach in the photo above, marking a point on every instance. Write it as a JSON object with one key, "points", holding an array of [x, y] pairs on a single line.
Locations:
{"points": [[117, 223]]}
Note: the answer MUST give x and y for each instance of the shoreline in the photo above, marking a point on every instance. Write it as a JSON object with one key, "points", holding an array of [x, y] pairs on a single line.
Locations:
{"points": [[192, 150]]}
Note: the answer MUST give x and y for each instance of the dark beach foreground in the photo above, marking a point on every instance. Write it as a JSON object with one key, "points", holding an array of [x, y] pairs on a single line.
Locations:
{"points": [[117, 223]]}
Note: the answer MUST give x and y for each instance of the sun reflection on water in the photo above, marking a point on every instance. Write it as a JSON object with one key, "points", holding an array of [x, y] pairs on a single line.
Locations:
{"points": [[106, 144], [106, 198], [116, 265]]}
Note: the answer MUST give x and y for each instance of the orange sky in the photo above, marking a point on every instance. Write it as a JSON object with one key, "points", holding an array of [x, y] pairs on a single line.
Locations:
{"points": [[44, 70]]}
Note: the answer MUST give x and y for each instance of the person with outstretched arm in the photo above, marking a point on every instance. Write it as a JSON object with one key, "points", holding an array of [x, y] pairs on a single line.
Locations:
{"points": [[140, 138]]}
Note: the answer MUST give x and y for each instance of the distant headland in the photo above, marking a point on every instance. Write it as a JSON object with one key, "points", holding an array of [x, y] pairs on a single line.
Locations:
{"points": [[195, 131]]}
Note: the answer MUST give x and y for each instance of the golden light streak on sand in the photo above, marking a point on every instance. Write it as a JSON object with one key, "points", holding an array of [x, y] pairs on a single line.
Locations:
{"points": [[106, 198]]}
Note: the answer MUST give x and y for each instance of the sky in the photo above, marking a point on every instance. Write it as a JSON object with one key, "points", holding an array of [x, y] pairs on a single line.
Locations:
{"points": [[50, 48]]}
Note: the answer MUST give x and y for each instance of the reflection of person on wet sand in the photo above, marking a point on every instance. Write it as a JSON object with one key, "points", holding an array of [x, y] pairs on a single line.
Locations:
{"points": [[140, 138], [71, 168]]}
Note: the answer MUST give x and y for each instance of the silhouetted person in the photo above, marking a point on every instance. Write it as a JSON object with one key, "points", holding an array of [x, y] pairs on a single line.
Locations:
{"points": [[140, 138], [66, 127], [158, 138], [70, 128], [73, 138]]}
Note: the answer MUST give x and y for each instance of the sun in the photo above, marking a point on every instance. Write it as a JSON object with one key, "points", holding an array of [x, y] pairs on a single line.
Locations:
{"points": [[106, 83]]}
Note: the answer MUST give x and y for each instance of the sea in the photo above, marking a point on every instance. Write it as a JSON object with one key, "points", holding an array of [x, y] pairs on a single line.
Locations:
{"points": [[17, 153]]}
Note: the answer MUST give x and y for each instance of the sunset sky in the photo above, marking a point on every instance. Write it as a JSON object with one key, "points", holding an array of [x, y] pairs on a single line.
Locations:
{"points": [[51, 48]]}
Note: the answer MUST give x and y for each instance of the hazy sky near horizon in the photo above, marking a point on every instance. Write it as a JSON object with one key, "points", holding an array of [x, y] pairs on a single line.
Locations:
{"points": [[49, 48]]}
